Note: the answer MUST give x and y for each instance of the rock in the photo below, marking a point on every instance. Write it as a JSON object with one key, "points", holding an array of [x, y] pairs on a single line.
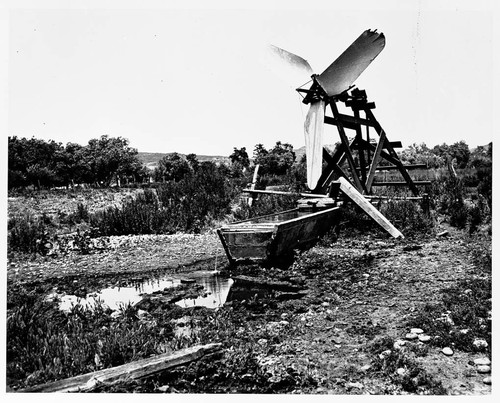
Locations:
{"points": [[482, 361], [325, 304], [487, 380], [480, 344], [366, 367], [424, 337], [163, 388], [464, 331], [401, 371], [447, 351], [411, 336], [384, 354], [483, 369], [416, 330], [398, 344]]}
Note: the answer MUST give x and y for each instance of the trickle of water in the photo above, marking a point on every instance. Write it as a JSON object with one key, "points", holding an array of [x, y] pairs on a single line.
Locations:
{"points": [[217, 290]]}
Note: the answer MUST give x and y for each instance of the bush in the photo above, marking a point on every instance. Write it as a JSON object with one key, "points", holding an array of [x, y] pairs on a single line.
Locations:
{"points": [[186, 205], [408, 217]]}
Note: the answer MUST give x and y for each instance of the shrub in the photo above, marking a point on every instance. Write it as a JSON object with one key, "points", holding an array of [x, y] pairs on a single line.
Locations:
{"points": [[407, 216], [186, 205]]}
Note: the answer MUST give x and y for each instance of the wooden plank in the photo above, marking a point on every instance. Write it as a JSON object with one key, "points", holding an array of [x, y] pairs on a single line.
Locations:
{"points": [[408, 166], [418, 183], [351, 192], [393, 154], [277, 192], [393, 144], [393, 197], [133, 370], [226, 249], [361, 151], [384, 154], [375, 161]]}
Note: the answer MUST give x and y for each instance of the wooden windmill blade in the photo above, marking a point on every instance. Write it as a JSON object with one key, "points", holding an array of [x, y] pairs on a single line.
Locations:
{"points": [[342, 73], [289, 67]]}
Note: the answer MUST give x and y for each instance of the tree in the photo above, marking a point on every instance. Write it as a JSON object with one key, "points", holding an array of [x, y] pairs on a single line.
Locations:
{"points": [[193, 162], [240, 158], [458, 151], [277, 161], [172, 167], [110, 157], [421, 154]]}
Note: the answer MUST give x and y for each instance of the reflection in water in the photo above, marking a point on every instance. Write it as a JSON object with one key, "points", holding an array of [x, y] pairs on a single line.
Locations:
{"points": [[217, 289]]}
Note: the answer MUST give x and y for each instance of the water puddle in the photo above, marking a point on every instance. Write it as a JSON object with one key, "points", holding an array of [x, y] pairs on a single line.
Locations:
{"points": [[216, 292]]}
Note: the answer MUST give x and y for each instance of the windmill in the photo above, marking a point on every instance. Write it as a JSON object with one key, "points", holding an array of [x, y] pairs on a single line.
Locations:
{"points": [[328, 88]]}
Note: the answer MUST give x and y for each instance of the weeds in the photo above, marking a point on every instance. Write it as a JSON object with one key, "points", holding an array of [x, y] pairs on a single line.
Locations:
{"points": [[46, 344], [413, 378], [265, 204], [29, 234], [460, 317]]}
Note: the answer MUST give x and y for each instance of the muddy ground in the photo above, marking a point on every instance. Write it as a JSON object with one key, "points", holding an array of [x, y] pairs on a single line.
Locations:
{"points": [[322, 334]]}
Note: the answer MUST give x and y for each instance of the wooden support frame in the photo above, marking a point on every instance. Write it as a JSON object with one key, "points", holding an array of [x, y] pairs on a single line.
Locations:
{"points": [[348, 154], [362, 177]]}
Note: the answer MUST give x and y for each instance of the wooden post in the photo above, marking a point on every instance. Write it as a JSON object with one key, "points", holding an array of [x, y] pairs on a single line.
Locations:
{"points": [[254, 196], [375, 161]]}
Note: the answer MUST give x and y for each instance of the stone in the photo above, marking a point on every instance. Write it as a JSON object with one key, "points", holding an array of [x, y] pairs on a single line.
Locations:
{"points": [[401, 371], [411, 336], [487, 380], [447, 351], [384, 354], [163, 388], [483, 369], [398, 344], [366, 367], [424, 337], [480, 344], [325, 304], [416, 330], [356, 385], [482, 361]]}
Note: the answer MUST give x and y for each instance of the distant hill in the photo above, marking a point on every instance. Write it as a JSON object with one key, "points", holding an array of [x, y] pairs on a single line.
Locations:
{"points": [[299, 152], [151, 159]]}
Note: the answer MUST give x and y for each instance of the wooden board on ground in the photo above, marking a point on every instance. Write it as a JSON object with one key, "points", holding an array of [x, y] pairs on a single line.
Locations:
{"points": [[133, 370], [351, 192]]}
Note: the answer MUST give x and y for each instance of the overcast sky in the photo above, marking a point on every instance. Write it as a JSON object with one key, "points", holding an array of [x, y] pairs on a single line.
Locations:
{"points": [[189, 80]]}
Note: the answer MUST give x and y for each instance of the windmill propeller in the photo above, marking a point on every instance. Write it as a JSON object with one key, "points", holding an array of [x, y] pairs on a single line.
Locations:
{"points": [[335, 80]]}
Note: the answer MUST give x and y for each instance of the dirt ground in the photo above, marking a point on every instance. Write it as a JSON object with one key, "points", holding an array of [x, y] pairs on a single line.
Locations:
{"points": [[329, 327]]}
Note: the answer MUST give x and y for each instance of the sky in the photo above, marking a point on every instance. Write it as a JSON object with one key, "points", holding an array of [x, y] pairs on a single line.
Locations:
{"points": [[187, 76]]}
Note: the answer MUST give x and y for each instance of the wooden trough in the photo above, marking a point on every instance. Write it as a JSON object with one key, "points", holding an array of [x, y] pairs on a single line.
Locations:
{"points": [[274, 235]]}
